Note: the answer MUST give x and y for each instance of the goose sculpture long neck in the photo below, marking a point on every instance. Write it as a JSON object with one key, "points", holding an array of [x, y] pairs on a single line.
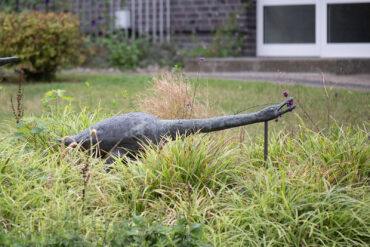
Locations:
{"points": [[213, 124]]}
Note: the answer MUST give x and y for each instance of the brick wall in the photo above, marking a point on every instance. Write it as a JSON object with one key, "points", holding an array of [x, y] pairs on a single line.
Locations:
{"points": [[203, 17], [251, 27], [188, 18]]}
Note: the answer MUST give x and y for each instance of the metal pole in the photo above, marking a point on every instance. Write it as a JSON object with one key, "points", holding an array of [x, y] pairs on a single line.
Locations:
{"points": [[147, 17], [154, 32], [266, 142], [133, 19], [161, 20], [168, 16], [140, 20], [111, 16]]}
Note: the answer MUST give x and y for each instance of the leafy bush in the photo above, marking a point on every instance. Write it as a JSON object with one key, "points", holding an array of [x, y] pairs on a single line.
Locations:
{"points": [[228, 41], [127, 54], [162, 54], [123, 53], [144, 233], [43, 41], [136, 232]]}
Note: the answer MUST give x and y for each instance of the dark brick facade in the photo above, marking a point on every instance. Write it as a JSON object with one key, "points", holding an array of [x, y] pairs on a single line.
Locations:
{"points": [[251, 24], [203, 17], [189, 18]]}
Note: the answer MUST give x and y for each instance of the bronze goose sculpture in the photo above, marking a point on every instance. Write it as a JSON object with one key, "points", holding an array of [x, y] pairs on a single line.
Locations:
{"points": [[123, 134]]}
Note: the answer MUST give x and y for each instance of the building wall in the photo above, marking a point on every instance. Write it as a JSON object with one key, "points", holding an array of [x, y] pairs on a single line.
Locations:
{"points": [[203, 17], [251, 26], [188, 18]]}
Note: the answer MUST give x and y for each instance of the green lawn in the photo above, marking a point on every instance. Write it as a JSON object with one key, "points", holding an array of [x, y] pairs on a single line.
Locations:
{"points": [[201, 190], [117, 94]]}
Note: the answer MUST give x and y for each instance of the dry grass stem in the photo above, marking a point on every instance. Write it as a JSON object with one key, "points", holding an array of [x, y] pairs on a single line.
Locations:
{"points": [[18, 111]]}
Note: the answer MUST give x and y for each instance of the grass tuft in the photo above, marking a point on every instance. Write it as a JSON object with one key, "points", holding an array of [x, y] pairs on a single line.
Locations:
{"points": [[172, 96], [196, 160]]}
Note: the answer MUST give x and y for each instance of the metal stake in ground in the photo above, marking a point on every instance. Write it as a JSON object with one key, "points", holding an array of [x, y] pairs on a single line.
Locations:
{"points": [[266, 142]]}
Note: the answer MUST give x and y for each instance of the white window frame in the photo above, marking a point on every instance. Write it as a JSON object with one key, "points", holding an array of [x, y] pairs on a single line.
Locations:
{"points": [[286, 49], [341, 49], [321, 48]]}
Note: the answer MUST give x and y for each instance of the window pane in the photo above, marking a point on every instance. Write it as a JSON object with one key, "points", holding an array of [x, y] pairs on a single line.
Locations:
{"points": [[349, 23], [289, 24]]}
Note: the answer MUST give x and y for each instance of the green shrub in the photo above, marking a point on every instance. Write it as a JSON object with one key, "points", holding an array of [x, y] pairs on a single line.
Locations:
{"points": [[144, 233], [43, 41], [228, 41], [164, 54], [123, 54], [136, 232], [126, 54]]}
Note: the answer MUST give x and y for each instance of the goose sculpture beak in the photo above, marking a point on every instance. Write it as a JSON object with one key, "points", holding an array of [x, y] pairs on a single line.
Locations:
{"points": [[290, 106]]}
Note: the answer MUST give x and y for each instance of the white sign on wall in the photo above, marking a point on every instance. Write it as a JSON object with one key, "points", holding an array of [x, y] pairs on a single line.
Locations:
{"points": [[122, 19]]}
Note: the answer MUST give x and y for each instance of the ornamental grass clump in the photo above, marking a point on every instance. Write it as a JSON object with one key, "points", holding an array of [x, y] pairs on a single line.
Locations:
{"points": [[337, 158], [270, 208], [172, 96], [196, 160]]}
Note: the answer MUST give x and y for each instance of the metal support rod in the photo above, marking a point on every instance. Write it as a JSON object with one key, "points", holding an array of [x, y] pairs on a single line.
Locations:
{"points": [[266, 142], [168, 20], [140, 18], [133, 19], [154, 32], [161, 29], [147, 18]]}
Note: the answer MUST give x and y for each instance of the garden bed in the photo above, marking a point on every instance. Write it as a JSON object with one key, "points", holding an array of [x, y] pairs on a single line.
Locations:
{"points": [[210, 189]]}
